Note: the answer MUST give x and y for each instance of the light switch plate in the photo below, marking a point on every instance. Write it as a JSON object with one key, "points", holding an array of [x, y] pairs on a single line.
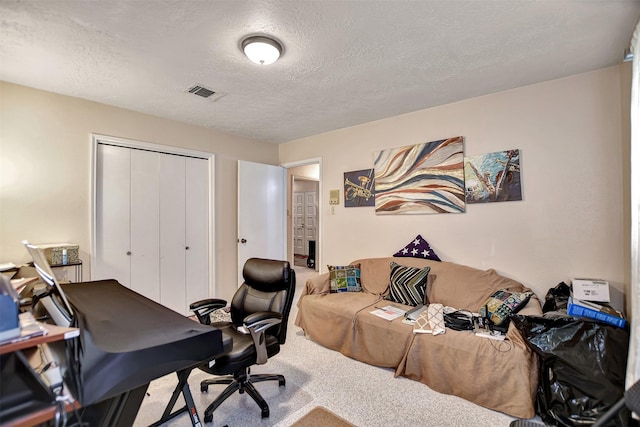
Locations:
{"points": [[334, 197]]}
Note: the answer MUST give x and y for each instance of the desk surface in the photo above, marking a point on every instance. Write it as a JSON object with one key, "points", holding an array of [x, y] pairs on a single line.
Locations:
{"points": [[128, 340]]}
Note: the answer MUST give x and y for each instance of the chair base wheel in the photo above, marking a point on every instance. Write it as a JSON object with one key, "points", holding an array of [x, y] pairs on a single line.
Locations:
{"points": [[204, 388], [281, 382], [208, 418], [265, 413]]}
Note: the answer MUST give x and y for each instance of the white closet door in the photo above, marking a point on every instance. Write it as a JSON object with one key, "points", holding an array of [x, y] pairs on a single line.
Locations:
{"points": [[197, 230], [172, 233], [112, 214], [145, 223]]}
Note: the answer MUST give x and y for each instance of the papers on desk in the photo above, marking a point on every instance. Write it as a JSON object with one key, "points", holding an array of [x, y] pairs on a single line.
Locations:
{"points": [[7, 266], [388, 312], [20, 284], [29, 328]]}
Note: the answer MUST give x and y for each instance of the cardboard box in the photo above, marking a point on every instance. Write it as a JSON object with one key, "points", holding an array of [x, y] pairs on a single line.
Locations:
{"points": [[591, 290], [54, 253]]}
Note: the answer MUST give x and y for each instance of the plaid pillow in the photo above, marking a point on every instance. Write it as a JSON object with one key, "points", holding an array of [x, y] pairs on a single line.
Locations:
{"points": [[502, 304], [344, 278], [407, 285]]}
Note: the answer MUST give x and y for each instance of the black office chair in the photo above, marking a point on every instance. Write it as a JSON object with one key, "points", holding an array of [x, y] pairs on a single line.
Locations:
{"points": [[630, 400], [259, 313]]}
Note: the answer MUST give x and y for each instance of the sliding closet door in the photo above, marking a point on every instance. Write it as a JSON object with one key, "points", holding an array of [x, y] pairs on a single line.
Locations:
{"points": [[197, 229], [152, 221], [112, 245], [145, 223], [172, 232]]}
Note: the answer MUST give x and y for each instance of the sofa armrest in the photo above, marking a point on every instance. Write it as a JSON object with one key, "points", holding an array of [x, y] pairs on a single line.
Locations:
{"points": [[317, 285], [533, 308]]}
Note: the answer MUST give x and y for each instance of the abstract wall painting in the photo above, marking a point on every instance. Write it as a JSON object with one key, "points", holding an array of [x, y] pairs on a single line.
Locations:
{"points": [[420, 179], [358, 188], [493, 177]]}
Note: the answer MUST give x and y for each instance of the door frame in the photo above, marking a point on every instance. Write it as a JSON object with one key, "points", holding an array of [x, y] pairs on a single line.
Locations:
{"points": [[320, 239], [149, 146]]}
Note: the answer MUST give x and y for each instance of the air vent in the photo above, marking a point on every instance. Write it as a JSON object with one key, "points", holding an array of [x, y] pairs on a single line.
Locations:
{"points": [[205, 92]]}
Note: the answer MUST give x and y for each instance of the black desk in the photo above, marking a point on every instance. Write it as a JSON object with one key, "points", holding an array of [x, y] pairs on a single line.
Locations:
{"points": [[126, 341]]}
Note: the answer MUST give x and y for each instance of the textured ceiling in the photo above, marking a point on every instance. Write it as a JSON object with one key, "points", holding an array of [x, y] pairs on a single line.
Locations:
{"points": [[345, 62]]}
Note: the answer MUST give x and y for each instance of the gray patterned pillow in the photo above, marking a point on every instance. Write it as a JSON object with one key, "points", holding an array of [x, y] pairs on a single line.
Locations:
{"points": [[407, 285]]}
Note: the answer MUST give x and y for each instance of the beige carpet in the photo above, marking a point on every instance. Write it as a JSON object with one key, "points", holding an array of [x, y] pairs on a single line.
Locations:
{"points": [[322, 417]]}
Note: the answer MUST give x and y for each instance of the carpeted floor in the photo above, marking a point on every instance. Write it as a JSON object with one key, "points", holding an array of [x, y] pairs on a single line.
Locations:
{"points": [[364, 395], [300, 260]]}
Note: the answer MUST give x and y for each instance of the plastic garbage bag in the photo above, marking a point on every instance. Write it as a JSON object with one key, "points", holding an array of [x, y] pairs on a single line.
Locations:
{"points": [[557, 298], [582, 367]]}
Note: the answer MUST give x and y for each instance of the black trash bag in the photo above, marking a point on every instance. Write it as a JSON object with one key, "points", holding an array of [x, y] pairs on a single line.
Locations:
{"points": [[557, 298], [582, 367]]}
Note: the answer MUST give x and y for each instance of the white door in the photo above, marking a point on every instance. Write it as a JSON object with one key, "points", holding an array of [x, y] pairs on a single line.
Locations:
{"points": [[112, 245], [261, 212], [152, 224], [145, 222], [197, 230], [172, 233], [310, 218], [299, 247]]}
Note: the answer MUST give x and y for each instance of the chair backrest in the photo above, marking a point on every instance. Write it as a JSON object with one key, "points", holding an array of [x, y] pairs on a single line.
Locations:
{"points": [[268, 285]]}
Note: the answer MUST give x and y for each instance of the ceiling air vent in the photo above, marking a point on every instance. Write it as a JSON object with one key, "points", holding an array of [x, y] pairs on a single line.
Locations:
{"points": [[205, 92]]}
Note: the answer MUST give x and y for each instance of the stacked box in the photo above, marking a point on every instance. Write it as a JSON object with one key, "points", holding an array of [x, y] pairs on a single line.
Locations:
{"points": [[54, 253]]}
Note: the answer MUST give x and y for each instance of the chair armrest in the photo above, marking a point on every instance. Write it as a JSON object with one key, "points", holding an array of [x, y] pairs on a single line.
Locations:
{"points": [[257, 324], [205, 307]]}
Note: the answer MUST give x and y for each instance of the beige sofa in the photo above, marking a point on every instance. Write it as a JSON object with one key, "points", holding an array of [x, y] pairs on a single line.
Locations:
{"points": [[499, 375]]}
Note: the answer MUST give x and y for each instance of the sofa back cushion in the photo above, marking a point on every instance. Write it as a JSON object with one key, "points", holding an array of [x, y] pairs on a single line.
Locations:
{"points": [[455, 285], [375, 272]]}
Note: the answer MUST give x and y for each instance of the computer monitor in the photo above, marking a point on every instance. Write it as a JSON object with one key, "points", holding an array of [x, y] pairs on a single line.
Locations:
{"points": [[55, 302]]}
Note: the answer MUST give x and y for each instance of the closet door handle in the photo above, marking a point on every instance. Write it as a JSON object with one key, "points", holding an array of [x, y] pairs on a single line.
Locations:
{"points": [[186, 248], [128, 252]]}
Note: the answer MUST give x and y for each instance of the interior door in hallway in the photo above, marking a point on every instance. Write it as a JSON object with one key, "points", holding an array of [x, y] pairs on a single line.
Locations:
{"points": [[305, 220], [298, 223]]}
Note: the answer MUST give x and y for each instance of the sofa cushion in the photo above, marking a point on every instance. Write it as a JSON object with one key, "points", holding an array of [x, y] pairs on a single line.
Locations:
{"points": [[344, 278], [418, 248], [407, 285], [502, 304]]}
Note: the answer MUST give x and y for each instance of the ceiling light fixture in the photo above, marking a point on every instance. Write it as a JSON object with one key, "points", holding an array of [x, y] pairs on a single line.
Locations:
{"points": [[262, 50]]}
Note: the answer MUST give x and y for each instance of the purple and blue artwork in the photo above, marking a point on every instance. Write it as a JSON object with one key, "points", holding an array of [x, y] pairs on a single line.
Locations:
{"points": [[493, 177]]}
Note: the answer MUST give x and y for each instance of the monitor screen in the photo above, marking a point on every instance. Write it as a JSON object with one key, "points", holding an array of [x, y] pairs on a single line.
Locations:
{"points": [[57, 306]]}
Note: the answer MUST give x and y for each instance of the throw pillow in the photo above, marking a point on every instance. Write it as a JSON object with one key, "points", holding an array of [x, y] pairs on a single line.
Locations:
{"points": [[344, 278], [418, 248], [430, 279], [407, 285], [502, 304]]}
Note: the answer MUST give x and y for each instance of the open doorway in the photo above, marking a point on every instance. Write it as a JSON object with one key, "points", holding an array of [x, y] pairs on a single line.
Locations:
{"points": [[303, 214]]}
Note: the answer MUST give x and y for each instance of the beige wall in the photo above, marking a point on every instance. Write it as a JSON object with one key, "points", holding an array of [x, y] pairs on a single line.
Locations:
{"points": [[45, 171], [571, 222]]}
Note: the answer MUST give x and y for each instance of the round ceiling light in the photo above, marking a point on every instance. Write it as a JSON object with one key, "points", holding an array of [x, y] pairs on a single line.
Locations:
{"points": [[261, 49]]}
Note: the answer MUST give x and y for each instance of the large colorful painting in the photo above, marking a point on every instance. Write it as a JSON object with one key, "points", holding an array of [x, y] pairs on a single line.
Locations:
{"points": [[358, 188], [493, 177], [420, 179]]}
